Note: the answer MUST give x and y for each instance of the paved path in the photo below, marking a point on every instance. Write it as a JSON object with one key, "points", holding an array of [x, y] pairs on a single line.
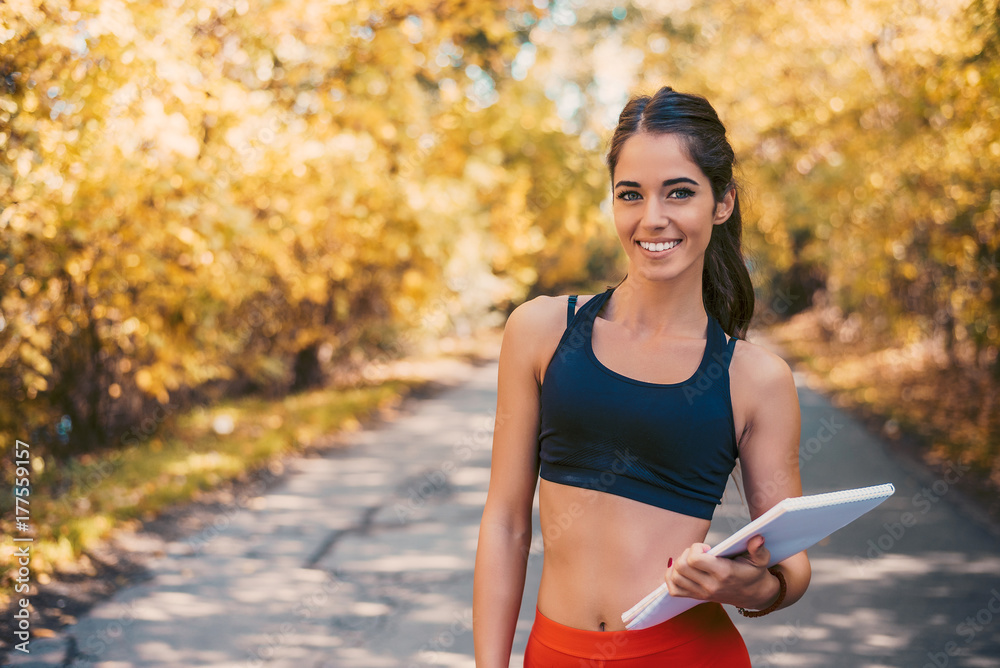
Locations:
{"points": [[364, 558]]}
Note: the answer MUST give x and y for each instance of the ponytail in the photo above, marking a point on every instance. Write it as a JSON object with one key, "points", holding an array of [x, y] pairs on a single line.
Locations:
{"points": [[725, 283]]}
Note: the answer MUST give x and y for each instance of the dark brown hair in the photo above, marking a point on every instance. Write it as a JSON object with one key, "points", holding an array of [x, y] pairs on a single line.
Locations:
{"points": [[726, 287]]}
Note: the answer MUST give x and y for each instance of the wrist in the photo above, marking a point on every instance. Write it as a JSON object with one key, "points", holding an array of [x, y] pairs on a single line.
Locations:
{"points": [[772, 597], [769, 590]]}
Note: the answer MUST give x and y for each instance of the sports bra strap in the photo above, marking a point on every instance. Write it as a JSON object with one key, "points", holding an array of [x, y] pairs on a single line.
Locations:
{"points": [[570, 309], [730, 347]]}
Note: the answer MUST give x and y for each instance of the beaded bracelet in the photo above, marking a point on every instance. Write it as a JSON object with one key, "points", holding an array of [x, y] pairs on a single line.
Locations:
{"points": [[782, 590]]}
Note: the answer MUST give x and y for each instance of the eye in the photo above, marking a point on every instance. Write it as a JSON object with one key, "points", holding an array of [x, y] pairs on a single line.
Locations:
{"points": [[681, 193], [627, 196]]}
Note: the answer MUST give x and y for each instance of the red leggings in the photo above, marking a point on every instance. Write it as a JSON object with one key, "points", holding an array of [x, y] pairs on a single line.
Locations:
{"points": [[703, 636]]}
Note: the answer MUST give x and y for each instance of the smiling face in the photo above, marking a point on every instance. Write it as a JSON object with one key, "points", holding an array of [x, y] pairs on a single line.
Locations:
{"points": [[664, 209]]}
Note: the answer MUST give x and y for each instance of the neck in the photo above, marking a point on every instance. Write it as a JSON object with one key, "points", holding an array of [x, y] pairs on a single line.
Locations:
{"points": [[659, 307]]}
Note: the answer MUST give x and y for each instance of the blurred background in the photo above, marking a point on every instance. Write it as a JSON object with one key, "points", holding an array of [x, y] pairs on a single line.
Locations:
{"points": [[219, 220]]}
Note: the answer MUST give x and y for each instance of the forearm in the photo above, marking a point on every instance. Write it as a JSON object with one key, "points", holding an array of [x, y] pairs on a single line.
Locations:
{"points": [[498, 585]]}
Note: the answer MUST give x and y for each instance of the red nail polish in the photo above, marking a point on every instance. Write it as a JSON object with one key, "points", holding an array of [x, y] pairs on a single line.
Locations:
{"points": [[670, 561]]}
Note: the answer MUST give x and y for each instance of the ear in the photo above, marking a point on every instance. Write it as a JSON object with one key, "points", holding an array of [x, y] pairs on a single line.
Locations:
{"points": [[724, 207]]}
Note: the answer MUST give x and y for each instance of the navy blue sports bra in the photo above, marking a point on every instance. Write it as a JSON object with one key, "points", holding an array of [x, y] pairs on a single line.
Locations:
{"points": [[668, 445]]}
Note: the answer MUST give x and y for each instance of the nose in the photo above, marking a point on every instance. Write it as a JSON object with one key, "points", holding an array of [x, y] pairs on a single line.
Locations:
{"points": [[655, 215]]}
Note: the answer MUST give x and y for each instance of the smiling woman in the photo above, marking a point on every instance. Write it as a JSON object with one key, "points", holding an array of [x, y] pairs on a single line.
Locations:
{"points": [[633, 410]]}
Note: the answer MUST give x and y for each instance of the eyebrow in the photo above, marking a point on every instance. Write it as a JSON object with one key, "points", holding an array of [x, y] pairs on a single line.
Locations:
{"points": [[668, 182]]}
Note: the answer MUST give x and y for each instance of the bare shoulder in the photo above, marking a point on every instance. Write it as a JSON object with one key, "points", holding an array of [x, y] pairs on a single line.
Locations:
{"points": [[758, 370], [535, 327], [542, 315], [765, 399]]}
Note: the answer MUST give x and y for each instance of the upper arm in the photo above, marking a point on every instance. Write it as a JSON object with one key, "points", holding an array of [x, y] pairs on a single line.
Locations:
{"points": [[514, 464], [769, 449]]}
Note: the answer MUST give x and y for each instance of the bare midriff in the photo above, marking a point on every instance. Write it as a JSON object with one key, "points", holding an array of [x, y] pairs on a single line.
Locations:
{"points": [[604, 552]]}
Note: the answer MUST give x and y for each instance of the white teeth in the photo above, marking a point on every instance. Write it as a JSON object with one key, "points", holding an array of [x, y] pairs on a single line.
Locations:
{"points": [[658, 247]]}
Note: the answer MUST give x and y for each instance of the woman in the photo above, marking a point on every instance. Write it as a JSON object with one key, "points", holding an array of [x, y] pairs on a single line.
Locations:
{"points": [[633, 406]]}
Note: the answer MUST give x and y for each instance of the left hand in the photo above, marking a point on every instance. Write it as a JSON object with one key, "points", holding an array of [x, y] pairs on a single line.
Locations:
{"points": [[742, 581]]}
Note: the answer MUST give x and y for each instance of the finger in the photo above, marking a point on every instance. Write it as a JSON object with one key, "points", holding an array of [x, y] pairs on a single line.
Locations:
{"points": [[679, 561], [699, 560], [679, 584], [680, 564], [695, 554], [757, 554]]}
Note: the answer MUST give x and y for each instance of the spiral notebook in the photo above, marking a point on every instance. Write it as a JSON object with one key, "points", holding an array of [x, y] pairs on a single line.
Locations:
{"points": [[791, 526]]}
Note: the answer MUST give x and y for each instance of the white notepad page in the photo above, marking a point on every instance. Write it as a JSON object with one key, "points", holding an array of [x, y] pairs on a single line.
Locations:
{"points": [[791, 526]]}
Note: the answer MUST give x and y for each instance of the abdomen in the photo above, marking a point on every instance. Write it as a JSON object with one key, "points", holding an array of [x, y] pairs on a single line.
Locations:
{"points": [[604, 552]]}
